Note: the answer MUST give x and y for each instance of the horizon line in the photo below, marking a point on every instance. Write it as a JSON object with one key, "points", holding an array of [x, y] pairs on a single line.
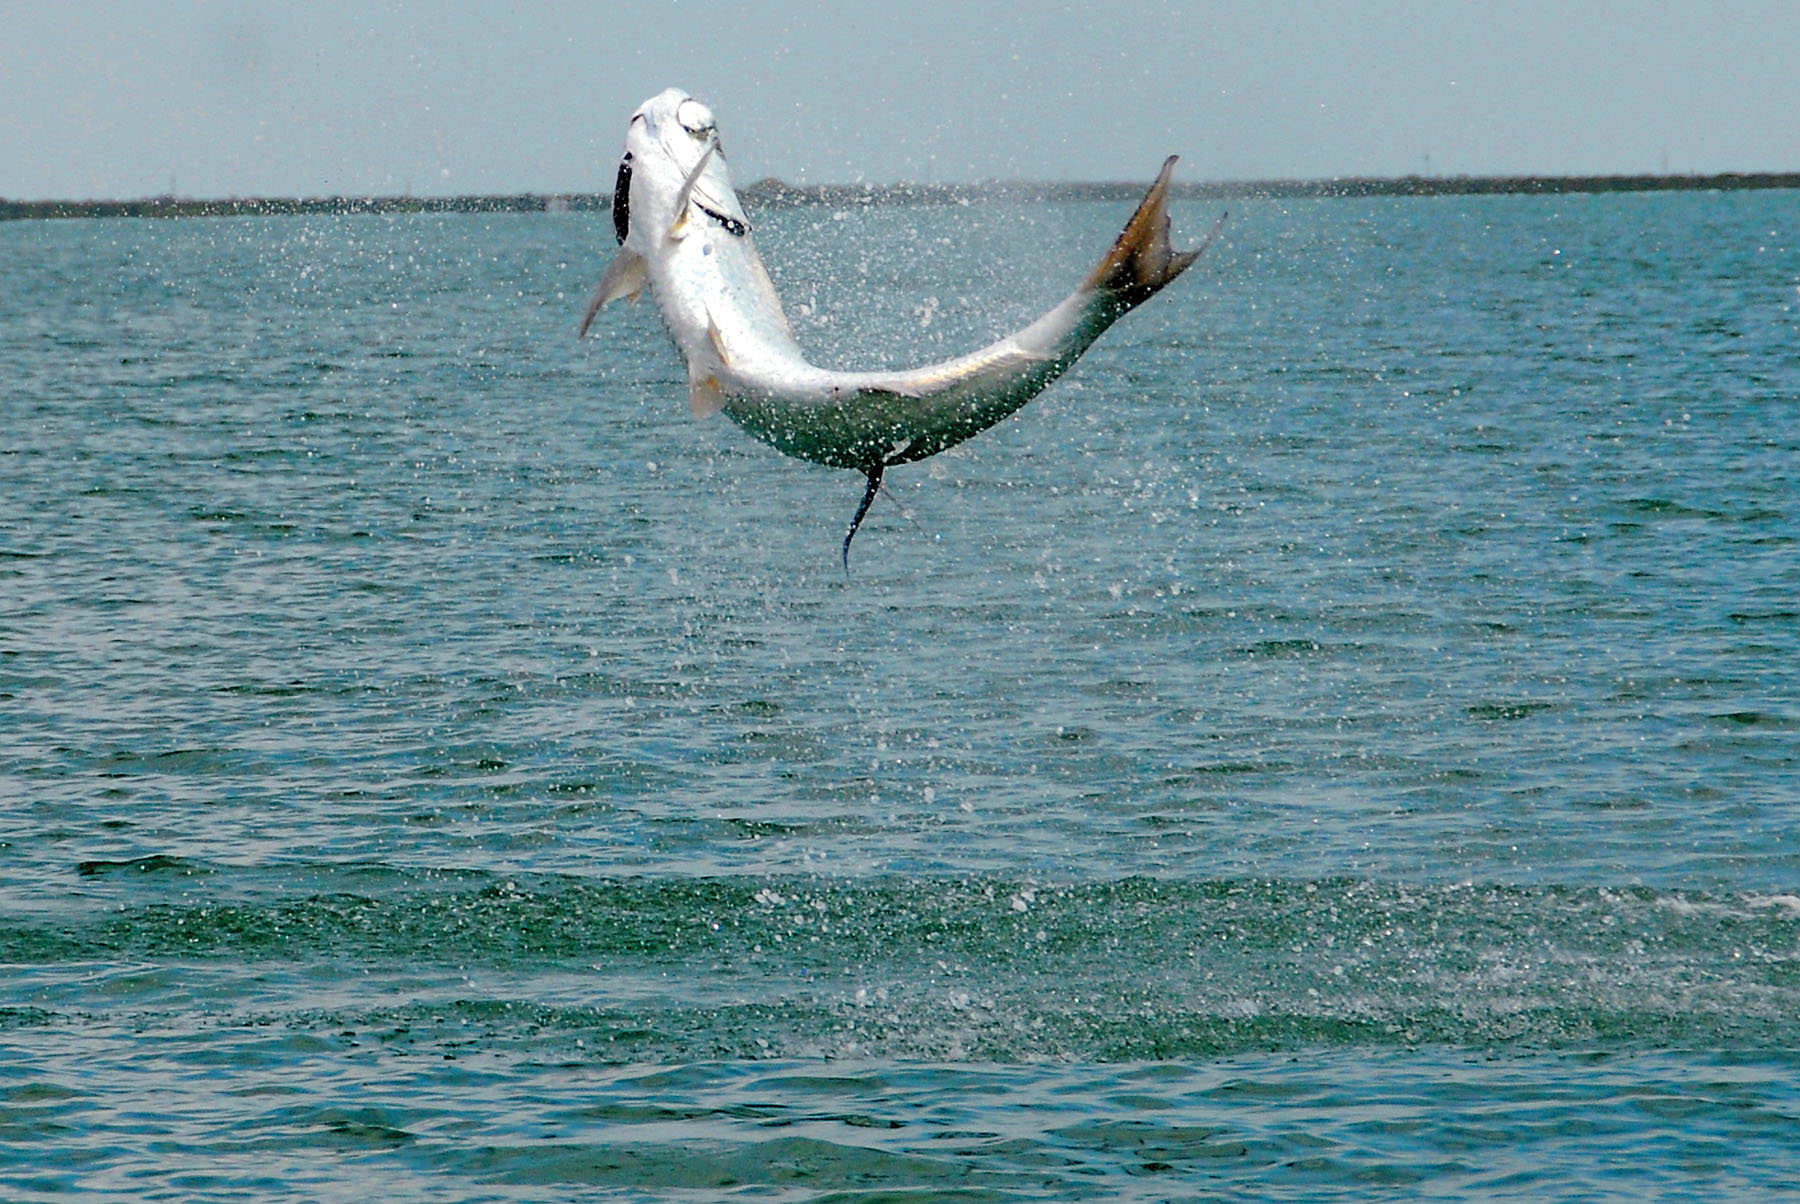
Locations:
{"points": [[780, 192]]}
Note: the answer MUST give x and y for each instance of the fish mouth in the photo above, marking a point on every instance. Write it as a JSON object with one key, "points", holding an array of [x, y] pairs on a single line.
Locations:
{"points": [[697, 119], [678, 125]]}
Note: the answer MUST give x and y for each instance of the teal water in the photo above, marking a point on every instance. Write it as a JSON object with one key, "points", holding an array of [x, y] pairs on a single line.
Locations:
{"points": [[1341, 742]]}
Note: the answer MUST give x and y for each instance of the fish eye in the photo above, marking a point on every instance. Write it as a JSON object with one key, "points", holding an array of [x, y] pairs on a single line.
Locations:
{"points": [[695, 118]]}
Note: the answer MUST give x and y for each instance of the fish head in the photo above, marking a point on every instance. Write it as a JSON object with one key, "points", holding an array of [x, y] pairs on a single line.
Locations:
{"points": [[671, 146]]}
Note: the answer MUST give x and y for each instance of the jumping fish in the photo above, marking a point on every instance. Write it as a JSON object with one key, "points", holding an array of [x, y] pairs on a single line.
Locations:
{"points": [[683, 232]]}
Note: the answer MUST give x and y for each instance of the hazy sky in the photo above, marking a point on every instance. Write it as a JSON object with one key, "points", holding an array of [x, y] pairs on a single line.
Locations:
{"points": [[126, 98]]}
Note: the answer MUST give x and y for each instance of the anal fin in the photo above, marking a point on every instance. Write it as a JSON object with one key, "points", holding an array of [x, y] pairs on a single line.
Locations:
{"points": [[705, 397]]}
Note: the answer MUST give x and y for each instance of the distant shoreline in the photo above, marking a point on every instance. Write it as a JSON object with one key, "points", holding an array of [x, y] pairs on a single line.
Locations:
{"points": [[778, 193]]}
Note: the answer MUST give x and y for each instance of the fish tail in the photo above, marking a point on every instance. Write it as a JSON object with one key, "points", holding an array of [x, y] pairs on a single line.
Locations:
{"points": [[1142, 261]]}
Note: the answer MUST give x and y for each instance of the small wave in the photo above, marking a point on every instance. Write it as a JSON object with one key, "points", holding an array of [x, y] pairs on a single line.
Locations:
{"points": [[1517, 709], [155, 863], [995, 969], [1756, 719]]}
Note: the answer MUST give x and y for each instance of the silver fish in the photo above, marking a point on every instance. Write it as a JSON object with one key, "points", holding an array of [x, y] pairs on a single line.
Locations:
{"points": [[683, 232]]}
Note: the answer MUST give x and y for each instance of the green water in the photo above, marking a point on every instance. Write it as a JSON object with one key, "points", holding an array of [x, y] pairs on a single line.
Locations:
{"points": [[1342, 742]]}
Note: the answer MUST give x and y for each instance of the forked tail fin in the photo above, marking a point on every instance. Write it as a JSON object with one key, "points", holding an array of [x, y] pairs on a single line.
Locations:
{"points": [[1142, 261]]}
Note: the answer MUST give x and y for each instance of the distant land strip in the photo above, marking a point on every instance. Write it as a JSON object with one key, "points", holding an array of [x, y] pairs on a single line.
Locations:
{"points": [[777, 193]]}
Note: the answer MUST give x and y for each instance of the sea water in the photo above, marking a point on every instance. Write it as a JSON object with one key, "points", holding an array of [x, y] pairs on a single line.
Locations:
{"points": [[1341, 741]]}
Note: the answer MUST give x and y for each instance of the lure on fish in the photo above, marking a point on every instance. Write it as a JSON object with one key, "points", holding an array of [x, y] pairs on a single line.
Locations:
{"points": [[683, 233]]}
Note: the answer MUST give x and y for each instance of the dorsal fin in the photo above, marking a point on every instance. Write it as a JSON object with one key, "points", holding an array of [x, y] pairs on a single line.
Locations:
{"points": [[874, 475]]}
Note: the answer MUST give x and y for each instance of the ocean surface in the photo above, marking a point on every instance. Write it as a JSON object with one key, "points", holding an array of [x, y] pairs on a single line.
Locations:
{"points": [[1341, 742]]}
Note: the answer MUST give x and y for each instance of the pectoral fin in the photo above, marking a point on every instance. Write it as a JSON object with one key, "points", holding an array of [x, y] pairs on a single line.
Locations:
{"points": [[717, 338], [625, 277], [705, 397], [679, 227]]}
